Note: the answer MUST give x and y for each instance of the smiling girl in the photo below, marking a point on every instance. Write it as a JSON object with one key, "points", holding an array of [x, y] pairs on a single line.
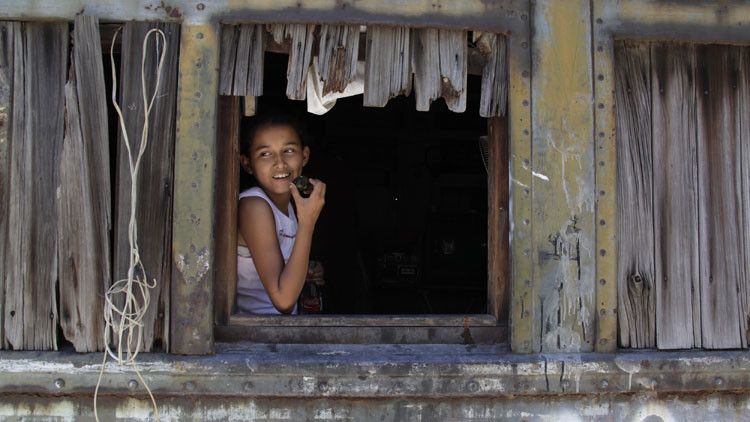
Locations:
{"points": [[273, 242]]}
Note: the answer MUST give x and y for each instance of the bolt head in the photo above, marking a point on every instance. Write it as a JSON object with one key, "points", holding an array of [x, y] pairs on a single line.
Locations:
{"points": [[59, 383], [132, 384]]}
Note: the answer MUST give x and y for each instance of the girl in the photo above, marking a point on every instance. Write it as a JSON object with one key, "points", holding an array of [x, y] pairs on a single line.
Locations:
{"points": [[273, 243]]}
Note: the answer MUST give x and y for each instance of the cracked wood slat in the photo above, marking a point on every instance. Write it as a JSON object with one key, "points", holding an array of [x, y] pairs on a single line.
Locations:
{"points": [[635, 228], [493, 100], [563, 190], [300, 56], [439, 63], [40, 58], [84, 194], [8, 32], [192, 313], [722, 258], [155, 179], [242, 54], [338, 53], [498, 225], [675, 196], [227, 194], [744, 117], [387, 65]]}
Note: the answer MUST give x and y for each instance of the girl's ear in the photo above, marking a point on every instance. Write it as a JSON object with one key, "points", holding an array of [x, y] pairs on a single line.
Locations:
{"points": [[305, 155], [245, 163]]}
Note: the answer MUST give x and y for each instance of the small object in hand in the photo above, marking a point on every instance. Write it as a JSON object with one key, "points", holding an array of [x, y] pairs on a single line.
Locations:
{"points": [[303, 185]]}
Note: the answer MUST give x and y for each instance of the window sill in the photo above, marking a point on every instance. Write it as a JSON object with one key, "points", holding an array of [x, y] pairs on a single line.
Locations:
{"points": [[364, 329]]}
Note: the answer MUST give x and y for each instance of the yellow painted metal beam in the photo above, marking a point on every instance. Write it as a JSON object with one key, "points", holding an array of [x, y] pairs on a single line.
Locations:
{"points": [[605, 154], [562, 175], [194, 185]]}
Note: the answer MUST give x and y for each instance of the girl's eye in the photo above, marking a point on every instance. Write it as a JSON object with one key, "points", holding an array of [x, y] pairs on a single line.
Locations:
{"points": [[290, 151], [264, 154]]}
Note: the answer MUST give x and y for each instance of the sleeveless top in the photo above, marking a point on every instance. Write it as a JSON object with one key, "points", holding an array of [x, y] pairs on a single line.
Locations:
{"points": [[252, 297]]}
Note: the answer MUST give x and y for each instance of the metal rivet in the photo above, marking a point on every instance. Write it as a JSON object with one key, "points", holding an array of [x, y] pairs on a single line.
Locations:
{"points": [[524, 17], [472, 386], [526, 252], [527, 282], [603, 341], [602, 312], [323, 386], [602, 281], [525, 73], [601, 134], [601, 106], [602, 193], [190, 386], [526, 132], [526, 191], [599, 21], [600, 77], [602, 222], [132, 384], [59, 383], [198, 94], [600, 49], [199, 35], [718, 381], [200, 6], [526, 313], [526, 221], [602, 252], [524, 44], [601, 163], [603, 384], [565, 384], [248, 386], [526, 162], [525, 103]]}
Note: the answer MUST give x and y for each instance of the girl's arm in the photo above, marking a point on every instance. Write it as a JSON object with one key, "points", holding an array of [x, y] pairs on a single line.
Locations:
{"points": [[283, 283]]}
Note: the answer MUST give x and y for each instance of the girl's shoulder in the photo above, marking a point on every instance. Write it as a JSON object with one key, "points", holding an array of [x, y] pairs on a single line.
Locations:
{"points": [[254, 191]]}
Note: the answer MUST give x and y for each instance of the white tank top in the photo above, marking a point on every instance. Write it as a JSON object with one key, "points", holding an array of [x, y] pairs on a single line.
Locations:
{"points": [[252, 297]]}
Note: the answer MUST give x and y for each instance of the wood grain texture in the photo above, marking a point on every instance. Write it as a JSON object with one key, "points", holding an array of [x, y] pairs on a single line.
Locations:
{"points": [[155, 179], [494, 98], [40, 58], [300, 57], [230, 34], [675, 196], [227, 194], [722, 257], [635, 228], [338, 52], [387, 65], [8, 32], [439, 63], [84, 194], [744, 119], [498, 224]]}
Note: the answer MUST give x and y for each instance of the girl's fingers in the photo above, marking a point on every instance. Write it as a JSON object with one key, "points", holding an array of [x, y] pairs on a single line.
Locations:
{"points": [[295, 193]]}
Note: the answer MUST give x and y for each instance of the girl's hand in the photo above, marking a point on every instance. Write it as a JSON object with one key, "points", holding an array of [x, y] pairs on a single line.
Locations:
{"points": [[308, 209]]}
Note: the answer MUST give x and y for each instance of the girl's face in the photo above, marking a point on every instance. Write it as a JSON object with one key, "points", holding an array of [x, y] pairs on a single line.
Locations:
{"points": [[275, 158]]}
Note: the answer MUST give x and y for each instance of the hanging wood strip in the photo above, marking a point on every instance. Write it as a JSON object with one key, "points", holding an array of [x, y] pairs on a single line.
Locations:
{"points": [[675, 196], [744, 118], [722, 258], [8, 31], [84, 194], [498, 226], [387, 65], [300, 57], [635, 230], [155, 182], [230, 34], [493, 100], [337, 56], [40, 58], [439, 62]]}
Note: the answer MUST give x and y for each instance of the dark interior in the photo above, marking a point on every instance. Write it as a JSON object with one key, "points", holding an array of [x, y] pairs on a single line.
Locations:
{"points": [[404, 228]]}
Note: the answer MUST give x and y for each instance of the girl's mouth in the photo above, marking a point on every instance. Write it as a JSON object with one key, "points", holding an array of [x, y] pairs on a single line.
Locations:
{"points": [[281, 176]]}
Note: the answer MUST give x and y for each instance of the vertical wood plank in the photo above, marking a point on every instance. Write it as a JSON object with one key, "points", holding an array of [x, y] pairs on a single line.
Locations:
{"points": [[37, 131], [227, 194], [439, 62], [193, 256], [338, 53], [563, 175], [493, 100], [498, 227], [675, 196], [722, 258], [84, 194], [155, 179], [248, 68], [229, 37], [300, 57], [8, 32], [744, 119], [387, 65], [635, 228]]}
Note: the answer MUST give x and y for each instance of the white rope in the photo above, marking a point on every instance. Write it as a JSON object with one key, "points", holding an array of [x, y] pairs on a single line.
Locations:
{"points": [[127, 321]]}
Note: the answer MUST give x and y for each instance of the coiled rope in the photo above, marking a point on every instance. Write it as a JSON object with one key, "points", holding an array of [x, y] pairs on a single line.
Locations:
{"points": [[125, 323]]}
